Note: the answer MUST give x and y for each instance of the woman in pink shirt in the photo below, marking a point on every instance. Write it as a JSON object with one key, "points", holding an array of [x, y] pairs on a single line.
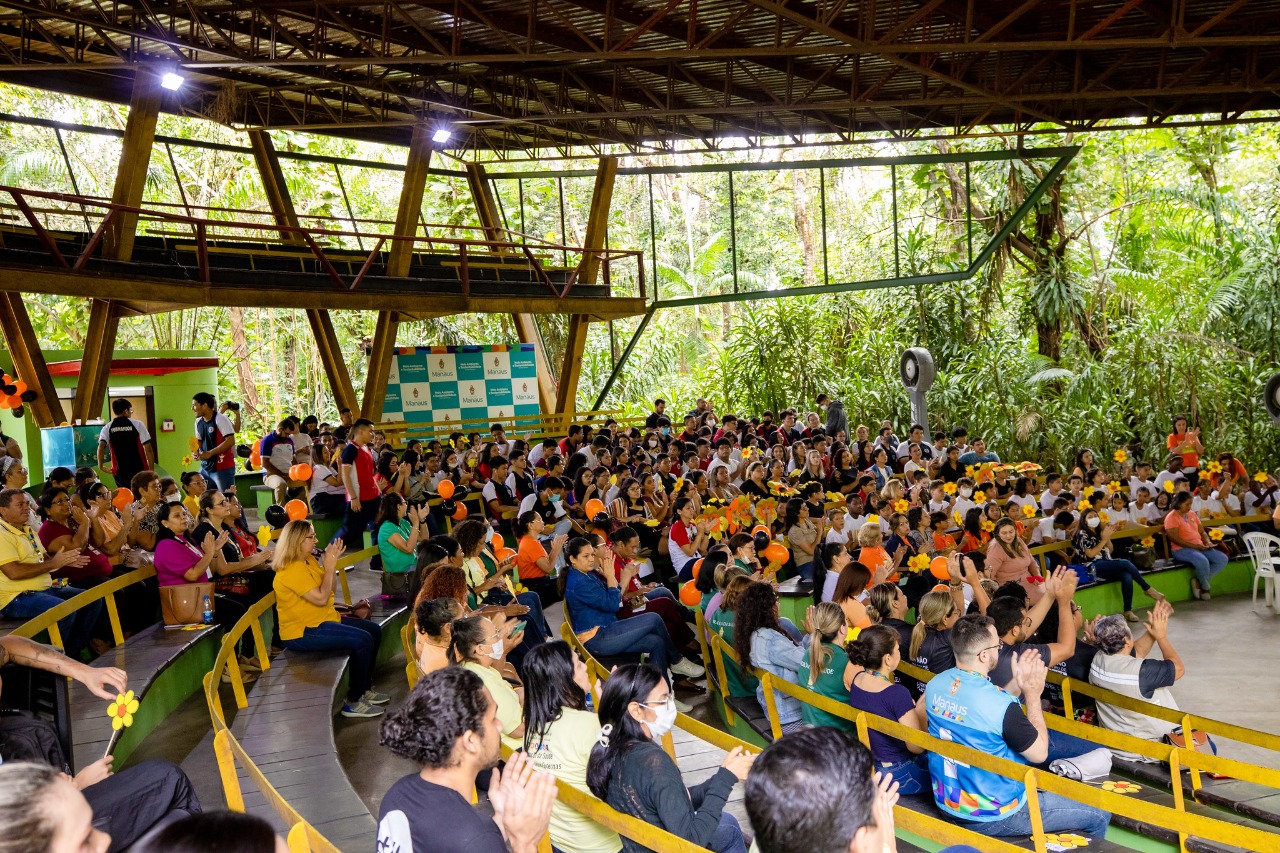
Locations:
{"points": [[1008, 557], [1189, 544]]}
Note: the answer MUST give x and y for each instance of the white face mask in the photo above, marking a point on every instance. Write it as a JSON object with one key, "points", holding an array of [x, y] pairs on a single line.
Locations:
{"points": [[666, 718], [1094, 521], [172, 499], [965, 492], [496, 651]]}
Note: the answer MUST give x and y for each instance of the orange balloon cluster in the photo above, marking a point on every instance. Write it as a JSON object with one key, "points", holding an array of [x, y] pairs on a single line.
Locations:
{"points": [[504, 554], [776, 553], [296, 510], [496, 543], [594, 507], [300, 473], [696, 568], [255, 454]]}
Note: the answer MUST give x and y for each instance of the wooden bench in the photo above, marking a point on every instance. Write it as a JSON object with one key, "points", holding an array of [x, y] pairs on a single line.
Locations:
{"points": [[287, 730]]}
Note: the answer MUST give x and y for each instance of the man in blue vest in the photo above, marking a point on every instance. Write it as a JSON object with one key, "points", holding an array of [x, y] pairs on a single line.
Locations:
{"points": [[962, 705]]}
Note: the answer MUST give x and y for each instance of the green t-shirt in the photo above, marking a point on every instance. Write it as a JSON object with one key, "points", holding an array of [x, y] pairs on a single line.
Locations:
{"points": [[393, 559], [706, 599], [830, 683], [740, 683]]}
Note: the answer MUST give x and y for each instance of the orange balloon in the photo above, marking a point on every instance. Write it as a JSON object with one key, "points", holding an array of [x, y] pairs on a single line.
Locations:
{"points": [[460, 513], [445, 489], [255, 460], [300, 473], [122, 499], [296, 510], [776, 553], [496, 543], [20, 388], [760, 528], [696, 567], [594, 507], [505, 554], [689, 595], [938, 568]]}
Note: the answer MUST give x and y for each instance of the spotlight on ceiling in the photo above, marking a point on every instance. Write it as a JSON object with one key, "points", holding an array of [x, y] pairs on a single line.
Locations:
{"points": [[172, 81], [441, 135]]}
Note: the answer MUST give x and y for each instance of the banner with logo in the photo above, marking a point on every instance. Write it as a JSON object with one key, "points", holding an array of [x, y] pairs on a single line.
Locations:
{"points": [[463, 383]]}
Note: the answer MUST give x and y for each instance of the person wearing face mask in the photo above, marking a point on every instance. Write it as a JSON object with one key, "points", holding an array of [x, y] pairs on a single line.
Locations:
{"points": [[476, 644], [1092, 544], [630, 771]]}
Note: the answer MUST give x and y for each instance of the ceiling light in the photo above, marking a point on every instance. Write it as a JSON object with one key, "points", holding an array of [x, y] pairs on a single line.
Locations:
{"points": [[171, 81], [441, 135]]}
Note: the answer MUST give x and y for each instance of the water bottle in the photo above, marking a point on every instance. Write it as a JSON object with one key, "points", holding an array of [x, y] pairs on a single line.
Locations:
{"points": [[208, 611]]}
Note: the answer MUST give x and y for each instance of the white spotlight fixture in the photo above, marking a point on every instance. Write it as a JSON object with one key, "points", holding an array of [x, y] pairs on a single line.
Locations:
{"points": [[442, 135], [172, 81]]}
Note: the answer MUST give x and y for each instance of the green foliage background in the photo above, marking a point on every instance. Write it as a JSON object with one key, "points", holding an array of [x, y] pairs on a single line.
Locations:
{"points": [[1146, 283]]}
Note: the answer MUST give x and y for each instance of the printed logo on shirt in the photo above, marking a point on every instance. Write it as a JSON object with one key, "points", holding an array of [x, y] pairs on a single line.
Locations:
{"points": [[393, 834]]}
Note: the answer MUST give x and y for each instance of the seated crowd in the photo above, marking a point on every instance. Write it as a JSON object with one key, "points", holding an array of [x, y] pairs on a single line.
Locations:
{"points": [[635, 529]]}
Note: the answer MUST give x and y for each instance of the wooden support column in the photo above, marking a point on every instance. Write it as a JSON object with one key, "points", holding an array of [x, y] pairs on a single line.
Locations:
{"points": [[486, 206], [135, 156], [335, 367], [384, 347], [400, 257], [588, 270], [95, 363], [28, 360], [528, 334], [273, 183], [574, 346], [282, 209]]}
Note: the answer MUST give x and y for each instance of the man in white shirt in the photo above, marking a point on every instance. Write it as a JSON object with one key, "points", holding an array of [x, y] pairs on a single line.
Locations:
{"points": [[724, 459], [1171, 473], [1054, 489], [1142, 477]]}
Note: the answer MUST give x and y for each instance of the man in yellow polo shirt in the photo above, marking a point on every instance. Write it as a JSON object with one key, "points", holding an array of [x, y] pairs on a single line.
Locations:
{"points": [[26, 587]]}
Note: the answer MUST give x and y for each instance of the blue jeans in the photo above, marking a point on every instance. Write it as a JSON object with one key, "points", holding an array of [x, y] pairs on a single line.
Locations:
{"points": [[728, 836], [76, 629], [911, 775], [1062, 745], [360, 638], [642, 633], [220, 480], [1058, 813], [1206, 563], [1123, 571], [805, 570]]}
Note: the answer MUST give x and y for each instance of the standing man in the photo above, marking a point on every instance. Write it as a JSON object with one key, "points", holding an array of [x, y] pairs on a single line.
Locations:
{"points": [[129, 443], [217, 437], [340, 434], [659, 406], [362, 492], [837, 422]]}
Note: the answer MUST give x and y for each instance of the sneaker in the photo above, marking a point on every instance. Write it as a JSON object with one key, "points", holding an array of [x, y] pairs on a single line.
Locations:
{"points": [[1130, 616], [361, 709], [375, 698], [687, 668], [1204, 595], [683, 707], [246, 676], [1195, 587], [250, 664]]}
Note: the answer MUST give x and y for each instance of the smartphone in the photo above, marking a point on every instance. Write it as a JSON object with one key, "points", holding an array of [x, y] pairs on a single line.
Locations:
{"points": [[519, 629]]}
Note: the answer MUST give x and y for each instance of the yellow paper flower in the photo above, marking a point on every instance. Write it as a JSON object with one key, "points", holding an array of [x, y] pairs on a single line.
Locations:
{"points": [[186, 460], [1113, 486], [1215, 467], [1105, 516], [873, 519], [1121, 787], [746, 452], [652, 522], [122, 710], [613, 479], [679, 484], [919, 562], [988, 525], [1121, 455], [1260, 477], [968, 470], [979, 497], [1066, 840], [794, 474], [958, 517], [471, 463], [1084, 504], [1028, 510], [1149, 541], [949, 488], [1168, 486], [1217, 535]]}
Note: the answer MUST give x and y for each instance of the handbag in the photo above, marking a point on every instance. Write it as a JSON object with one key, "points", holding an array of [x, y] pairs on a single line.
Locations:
{"points": [[183, 604], [1142, 557], [1199, 740], [395, 584]]}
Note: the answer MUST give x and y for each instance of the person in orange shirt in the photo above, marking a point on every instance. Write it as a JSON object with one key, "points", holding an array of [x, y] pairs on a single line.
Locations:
{"points": [[1186, 443], [943, 542], [874, 556], [537, 565]]}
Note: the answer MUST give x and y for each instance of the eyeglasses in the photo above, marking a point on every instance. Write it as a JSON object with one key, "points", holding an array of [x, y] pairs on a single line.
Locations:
{"points": [[989, 648]]}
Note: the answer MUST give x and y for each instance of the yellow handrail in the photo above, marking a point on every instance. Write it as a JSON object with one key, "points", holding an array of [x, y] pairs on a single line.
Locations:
{"points": [[105, 591], [411, 671], [515, 423]]}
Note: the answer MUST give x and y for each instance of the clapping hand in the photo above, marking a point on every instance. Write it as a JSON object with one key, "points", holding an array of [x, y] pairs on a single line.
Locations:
{"points": [[1158, 620], [79, 515], [1029, 673], [882, 809], [522, 799], [738, 762]]}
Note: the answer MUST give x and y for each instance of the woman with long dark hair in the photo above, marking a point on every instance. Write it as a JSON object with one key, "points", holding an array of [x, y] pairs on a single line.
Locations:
{"points": [[829, 559], [877, 652], [802, 536], [760, 641], [559, 734], [631, 772]]}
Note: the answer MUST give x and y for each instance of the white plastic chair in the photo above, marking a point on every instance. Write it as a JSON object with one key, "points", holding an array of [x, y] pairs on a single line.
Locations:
{"points": [[1264, 550]]}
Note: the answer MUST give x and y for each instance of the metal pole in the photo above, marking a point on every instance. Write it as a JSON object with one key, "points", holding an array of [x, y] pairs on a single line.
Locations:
{"points": [[897, 261], [733, 234], [968, 210], [564, 238], [653, 242], [351, 214], [75, 187], [626, 353], [520, 189], [822, 194]]}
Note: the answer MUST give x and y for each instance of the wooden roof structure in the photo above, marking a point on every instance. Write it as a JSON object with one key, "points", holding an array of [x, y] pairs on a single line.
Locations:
{"points": [[651, 74]]}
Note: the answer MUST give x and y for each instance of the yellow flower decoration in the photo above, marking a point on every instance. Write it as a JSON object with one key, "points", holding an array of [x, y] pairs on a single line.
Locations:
{"points": [[873, 519], [473, 462], [968, 470], [122, 710], [1149, 541], [541, 472], [1121, 787], [679, 484], [949, 488], [1105, 516], [652, 522], [794, 474], [988, 525], [746, 452], [1028, 510], [1113, 486], [1215, 467], [1084, 504], [1217, 535], [979, 497], [901, 505], [613, 479], [958, 517], [1121, 455], [1168, 486], [186, 460], [1260, 477], [919, 562], [520, 588], [1066, 840]]}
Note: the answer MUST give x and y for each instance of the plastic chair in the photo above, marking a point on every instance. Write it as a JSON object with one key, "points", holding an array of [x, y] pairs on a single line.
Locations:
{"points": [[1264, 550]]}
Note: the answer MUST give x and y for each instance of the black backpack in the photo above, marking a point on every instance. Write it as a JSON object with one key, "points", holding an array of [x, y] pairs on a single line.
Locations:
{"points": [[26, 737]]}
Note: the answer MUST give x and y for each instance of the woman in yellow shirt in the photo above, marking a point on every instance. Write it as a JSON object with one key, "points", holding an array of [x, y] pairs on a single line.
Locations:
{"points": [[477, 644], [308, 621]]}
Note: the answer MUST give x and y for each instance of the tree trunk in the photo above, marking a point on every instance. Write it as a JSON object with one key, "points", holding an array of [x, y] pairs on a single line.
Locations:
{"points": [[804, 227], [244, 368]]}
